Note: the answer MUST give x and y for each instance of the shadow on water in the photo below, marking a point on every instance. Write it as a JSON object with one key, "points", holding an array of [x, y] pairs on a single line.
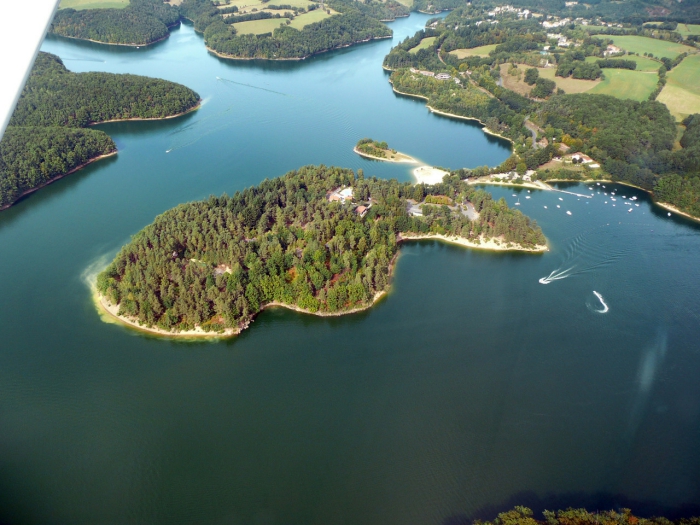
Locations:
{"points": [[113, 49], [52, 191], [598, 501]]}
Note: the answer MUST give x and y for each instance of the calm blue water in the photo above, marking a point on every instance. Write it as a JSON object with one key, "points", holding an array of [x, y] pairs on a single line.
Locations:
{"points": [[470, 388]]}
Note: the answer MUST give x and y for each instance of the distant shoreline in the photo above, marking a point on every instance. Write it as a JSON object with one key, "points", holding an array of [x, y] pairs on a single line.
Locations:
{"points": [[111, 310], [54, 179], [117, 44], [232, 57], [451, 115]]}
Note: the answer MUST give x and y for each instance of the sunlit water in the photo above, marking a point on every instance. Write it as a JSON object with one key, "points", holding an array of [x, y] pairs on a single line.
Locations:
{"points": [[471, 388]]}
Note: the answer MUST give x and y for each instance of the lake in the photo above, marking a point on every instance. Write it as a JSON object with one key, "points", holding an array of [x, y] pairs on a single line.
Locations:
{"points": [[472, 387]]}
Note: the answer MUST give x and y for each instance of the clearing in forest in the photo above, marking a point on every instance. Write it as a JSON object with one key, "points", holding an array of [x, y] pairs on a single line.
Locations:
{"points": [[79, 5], [481, 51], [424, 44], [259, 27]]}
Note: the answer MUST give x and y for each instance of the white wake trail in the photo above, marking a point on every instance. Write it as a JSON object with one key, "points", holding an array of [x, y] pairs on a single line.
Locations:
{"points": [[602, 301]]}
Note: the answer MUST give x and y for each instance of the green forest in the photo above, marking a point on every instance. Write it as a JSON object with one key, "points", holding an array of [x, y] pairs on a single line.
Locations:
{"points": [[216, 263], [358, 22], [373, 147], [142, 22], [54, 96], [634, 142], [525, 516], [44, 139]]}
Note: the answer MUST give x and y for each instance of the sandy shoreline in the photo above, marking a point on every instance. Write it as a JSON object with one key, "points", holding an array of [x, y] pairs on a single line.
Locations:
{"points": [[429, 175], [408, 160], [490, 245], [28, 192], [531, 185]]}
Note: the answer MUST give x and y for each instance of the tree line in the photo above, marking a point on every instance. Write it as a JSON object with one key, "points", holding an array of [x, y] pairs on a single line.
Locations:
{"points": [[44, 141], [217, 262], [139, 23]]}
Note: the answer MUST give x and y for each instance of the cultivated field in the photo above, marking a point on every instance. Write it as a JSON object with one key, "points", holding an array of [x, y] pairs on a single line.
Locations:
{"points": [[424, 44], [93, 4], [316, 15], [623, 83], [258, 27], [481, 51], [682, 91], [407, 3], [688, 29], [642, 44], [643, 63]]}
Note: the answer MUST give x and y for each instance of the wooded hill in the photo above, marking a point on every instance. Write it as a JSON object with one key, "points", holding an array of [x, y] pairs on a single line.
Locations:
{"points": [[357, 22], [142, 22], [634, 142], [216, 263], [570, 516], [42, 142]]}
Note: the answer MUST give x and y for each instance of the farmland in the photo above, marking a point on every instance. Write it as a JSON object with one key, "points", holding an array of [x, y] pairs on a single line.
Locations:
{"points": [[682, 92], [623, 83], [658, 48]]}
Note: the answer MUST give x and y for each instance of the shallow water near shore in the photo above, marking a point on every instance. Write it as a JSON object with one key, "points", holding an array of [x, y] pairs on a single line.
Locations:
{"points": [[470, 388]]}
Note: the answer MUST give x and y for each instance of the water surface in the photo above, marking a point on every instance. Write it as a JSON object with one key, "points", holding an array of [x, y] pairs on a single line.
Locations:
{"points": [[470, 388]]}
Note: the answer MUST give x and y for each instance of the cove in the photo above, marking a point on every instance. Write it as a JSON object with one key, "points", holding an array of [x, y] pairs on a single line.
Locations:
{"points": [[469, 389]]}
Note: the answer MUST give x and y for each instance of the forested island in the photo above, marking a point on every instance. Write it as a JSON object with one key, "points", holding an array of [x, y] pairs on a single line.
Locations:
{"points": [[512, 71], [46, 139], [140, 23], [321, 240], [380, 151]]}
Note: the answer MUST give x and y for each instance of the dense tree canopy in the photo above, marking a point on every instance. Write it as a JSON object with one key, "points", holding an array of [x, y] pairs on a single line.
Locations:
{"points": [[54, 96], [524, 516], [141, 22], [33, 156], [215, 263], [42, 144]]}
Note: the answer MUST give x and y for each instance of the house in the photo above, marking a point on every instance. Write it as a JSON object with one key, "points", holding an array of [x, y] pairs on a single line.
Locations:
{"points": [[442, 76], [581, 158], [340, 195], [612, 50], [361, 210]]}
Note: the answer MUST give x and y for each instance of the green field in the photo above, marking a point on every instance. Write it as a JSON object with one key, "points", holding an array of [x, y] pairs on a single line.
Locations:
{"points": [[623, 83], [682, 91], [643, 63], [569, 85], [258, 27], [407, 3], [688, 29], [93, 4], [481, 51], [642, 44], [424, 44], [316, 15]]}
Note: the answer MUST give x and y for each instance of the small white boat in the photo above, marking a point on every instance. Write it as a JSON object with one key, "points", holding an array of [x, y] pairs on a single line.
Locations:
{"points": [[568, 213], [598, 183], [545, 207], [669, 214], [628, 211], [637, 205], [561, 199], [560, 207], [605, 192], [527, 196], [514, 195], [606, 202]]}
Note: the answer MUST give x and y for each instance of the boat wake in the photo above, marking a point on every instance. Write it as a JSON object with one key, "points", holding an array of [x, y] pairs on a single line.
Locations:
{"points": [[586, 253], [602, 301]]}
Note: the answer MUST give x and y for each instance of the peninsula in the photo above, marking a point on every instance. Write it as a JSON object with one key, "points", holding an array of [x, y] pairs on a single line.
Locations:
{"points": [[48, 136], [320, 240], [373, 149]]}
